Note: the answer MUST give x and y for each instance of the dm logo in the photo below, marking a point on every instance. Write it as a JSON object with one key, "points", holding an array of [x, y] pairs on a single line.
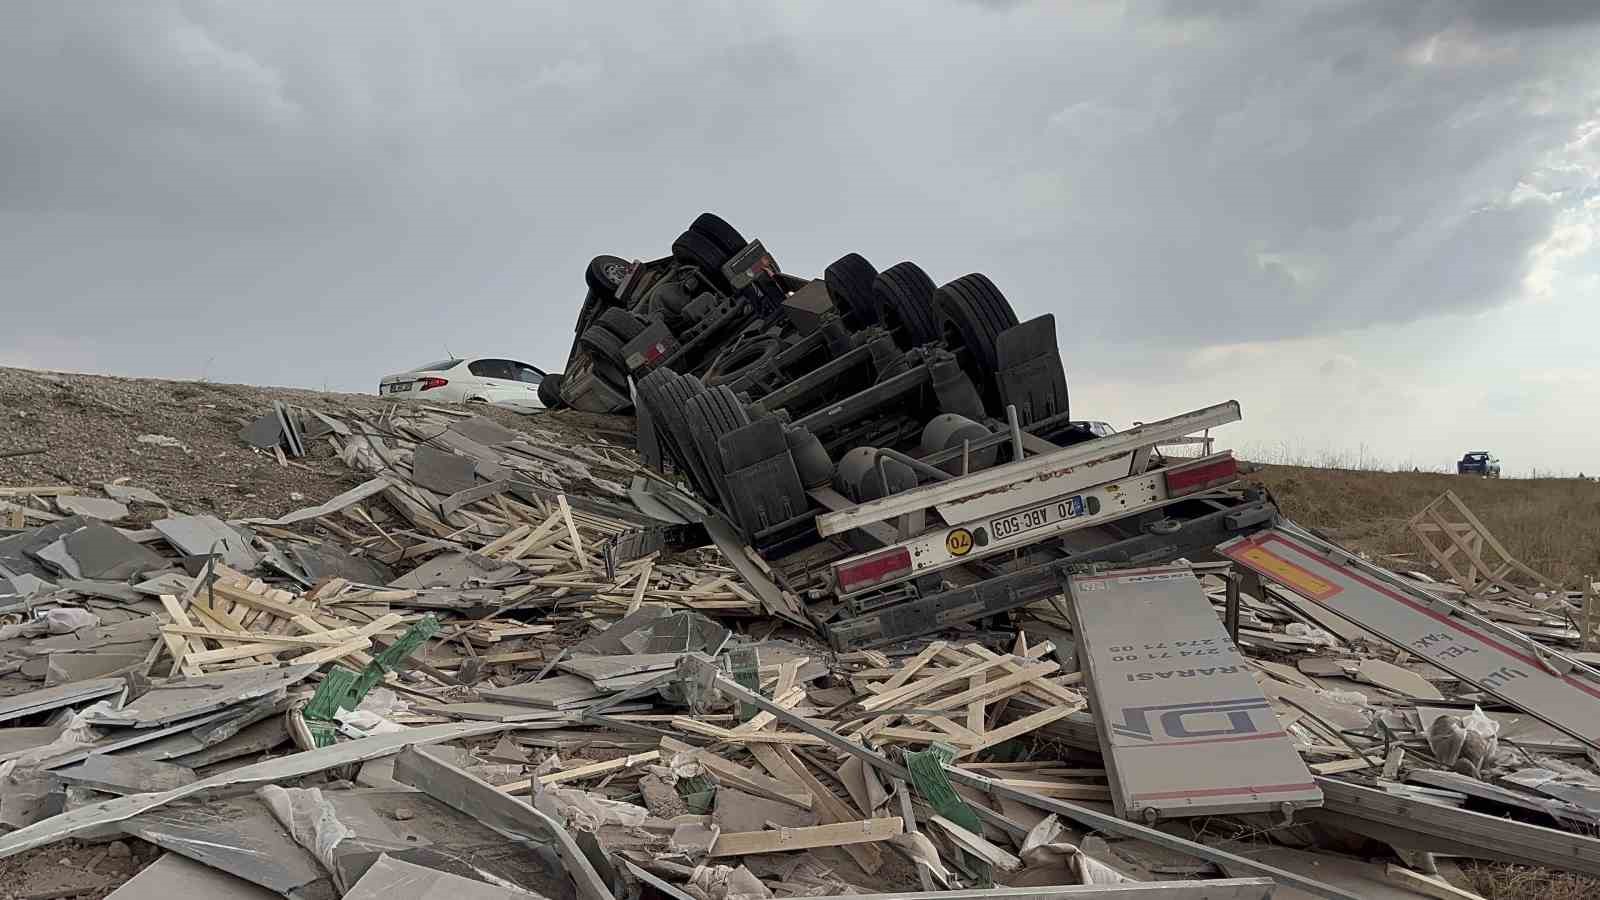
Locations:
{"points": [[1190, 721]]}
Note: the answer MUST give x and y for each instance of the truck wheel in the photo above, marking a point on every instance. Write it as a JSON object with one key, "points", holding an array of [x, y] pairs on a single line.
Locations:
{"points": [[718, 230], [711, 415], [849, 282], [738, 361], [604, 276], [672, 413], [695, 249], [903, 297], [621, 323], [603, 343], [550, 391], [971, 313]]}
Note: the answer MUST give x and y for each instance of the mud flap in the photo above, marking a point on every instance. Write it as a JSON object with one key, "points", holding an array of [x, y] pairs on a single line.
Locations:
{"points": [[1029, 370], [763, 485]]}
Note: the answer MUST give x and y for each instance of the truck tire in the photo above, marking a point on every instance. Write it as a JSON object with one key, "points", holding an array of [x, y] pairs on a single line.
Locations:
{"points": [[717, 229], [849, 283], [603, 343], [695, 249], [712, 414], [736, 362], [621, 323], [672, 404], [550, 391], [971, 312], [902, 296], [604, 276]]}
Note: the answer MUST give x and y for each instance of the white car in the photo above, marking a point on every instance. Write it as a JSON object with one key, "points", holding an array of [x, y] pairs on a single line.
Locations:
{"points": [[483, 379]]}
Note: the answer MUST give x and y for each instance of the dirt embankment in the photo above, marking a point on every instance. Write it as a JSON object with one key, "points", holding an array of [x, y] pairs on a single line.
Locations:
{"points": [[181, 439]]}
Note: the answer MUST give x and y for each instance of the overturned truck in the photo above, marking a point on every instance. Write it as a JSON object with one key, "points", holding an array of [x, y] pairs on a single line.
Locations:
{"points": [[899, 455]]}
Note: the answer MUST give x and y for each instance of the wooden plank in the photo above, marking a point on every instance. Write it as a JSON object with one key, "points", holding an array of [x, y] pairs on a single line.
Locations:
{"points": [[923, 686], [745, 779], [695, 726], [640, 587], [505, 540], [1427, 885], [586, 771], [782, 840], [178, 645], [572, 532], [1023, 726], [975, 709], [928, 654], [977, 845], [830, 809]]}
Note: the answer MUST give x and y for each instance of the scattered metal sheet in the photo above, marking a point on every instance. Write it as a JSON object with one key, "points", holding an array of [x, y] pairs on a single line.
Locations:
{"points": [[123, 775], [329, 561], [484, 431], [1535, 679], [177, 701], [485, 803], [239, 836], [173, 876], [98, 815], [394, 879], [441, 471], [67, 668], [455, 570], [204, 535], [16, 552], [1468, 833], [1184, 727], [605, 668], [100, 551], [1212, 889], [127, 493], [44, 700], [264, 433], [560, 692], [92, 507], [351, 497], [496, 712]]}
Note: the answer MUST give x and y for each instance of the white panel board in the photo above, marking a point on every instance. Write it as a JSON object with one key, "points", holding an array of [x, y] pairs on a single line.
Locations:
{"points": [[1184, 727]]}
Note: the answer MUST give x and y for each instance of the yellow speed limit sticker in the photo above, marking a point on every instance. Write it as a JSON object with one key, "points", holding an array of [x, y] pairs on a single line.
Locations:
{"points": [[958, 542]]}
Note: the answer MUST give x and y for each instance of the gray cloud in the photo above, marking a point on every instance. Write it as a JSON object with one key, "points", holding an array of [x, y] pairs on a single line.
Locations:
{"points": [[309, 191]]}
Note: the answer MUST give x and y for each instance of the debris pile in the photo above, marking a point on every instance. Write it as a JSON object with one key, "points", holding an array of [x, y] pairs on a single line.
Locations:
{"points": [[899, 627]]}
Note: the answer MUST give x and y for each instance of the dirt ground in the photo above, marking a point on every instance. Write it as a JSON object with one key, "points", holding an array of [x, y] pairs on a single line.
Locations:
{"points": [[90, 428], [74, 871]]}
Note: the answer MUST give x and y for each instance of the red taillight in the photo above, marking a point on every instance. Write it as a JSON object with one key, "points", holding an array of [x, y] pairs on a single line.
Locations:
{"points": [[1197, 476], [871, 571], [429, 384]]}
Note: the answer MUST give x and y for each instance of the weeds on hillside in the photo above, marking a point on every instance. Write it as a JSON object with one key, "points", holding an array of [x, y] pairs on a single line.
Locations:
{"points": [[1552, 525]]}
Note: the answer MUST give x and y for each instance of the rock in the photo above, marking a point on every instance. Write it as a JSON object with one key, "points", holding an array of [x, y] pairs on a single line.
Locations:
{"points": [[404, 814], [119, 850]]}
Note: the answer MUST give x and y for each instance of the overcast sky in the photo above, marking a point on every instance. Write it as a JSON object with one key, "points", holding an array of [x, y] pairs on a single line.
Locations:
{"points": [[1373, 223]]}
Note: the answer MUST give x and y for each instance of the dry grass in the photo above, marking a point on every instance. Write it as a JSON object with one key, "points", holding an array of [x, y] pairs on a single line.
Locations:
{"points": [[1497, 882], [1551, 524]]}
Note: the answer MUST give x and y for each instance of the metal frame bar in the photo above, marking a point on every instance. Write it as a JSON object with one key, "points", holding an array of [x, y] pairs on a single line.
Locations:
{"points": [[1003, 476]]}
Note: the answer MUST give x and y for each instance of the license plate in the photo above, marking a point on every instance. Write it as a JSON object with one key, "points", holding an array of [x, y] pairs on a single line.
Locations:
{"points": [[399, 386], [1010, 526]]}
